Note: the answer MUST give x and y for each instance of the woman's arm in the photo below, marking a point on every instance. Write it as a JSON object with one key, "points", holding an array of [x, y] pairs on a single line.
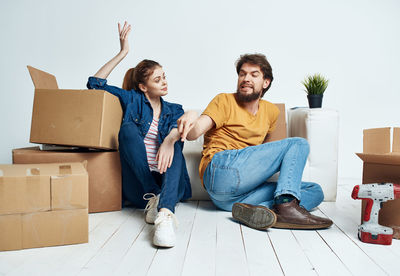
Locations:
{"points": [[165, 153], [123, 39]]}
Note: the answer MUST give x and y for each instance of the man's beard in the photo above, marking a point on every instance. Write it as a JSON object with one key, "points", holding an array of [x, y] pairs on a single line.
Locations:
{"points": [[246, 98]]}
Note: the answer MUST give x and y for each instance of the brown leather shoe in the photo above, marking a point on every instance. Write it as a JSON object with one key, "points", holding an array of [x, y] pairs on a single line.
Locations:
{"points": [[254, 216], [292, 216]]}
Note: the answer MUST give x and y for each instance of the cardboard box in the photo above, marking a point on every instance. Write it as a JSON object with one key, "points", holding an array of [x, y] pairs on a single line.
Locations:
{"points": [[281, 126], [41, 229], [84, 118], [43, 205], [382, 164], [42, 187], [104, 169], [11, 232], [55, 228]]}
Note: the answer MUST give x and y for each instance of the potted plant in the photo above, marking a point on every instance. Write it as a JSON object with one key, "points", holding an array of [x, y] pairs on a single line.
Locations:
{"points": [[315, 87]]}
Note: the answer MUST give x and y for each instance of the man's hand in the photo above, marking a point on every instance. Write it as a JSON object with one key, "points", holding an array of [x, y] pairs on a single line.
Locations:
{"points": [[165, 155], [186, 122], [123, 37]]}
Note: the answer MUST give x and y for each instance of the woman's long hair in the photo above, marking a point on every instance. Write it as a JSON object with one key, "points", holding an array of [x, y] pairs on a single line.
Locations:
{"points": [[139, 74]]}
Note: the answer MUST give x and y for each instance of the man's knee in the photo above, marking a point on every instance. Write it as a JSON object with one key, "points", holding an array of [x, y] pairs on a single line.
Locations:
{"points": [[300, 142], [318, 193], [222, 205]]}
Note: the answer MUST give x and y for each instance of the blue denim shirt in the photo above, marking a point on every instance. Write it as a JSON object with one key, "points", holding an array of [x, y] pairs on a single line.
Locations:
{"points": [[136, 108]]}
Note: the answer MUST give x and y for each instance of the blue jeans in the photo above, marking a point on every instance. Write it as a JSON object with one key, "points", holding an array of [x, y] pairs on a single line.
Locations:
{"points": [[137, 179], [241, 175]]}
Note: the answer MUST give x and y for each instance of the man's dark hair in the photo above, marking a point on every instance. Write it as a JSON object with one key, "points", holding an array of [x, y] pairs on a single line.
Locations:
{"points": [[260, 60]]}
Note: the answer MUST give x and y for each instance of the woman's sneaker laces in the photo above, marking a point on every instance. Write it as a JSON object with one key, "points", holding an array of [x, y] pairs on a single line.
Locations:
{"points": [[150, 210]]}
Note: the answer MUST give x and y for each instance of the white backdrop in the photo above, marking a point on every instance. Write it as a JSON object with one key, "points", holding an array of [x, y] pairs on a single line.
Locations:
{"points": [[356, 44]]}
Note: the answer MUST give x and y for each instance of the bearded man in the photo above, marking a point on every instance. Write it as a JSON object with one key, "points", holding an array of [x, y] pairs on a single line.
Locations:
{"points": [[236, 163]]}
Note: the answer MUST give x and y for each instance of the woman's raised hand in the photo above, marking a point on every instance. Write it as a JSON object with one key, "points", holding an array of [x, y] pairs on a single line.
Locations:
{"points": [[123, 36], [106, 69]]}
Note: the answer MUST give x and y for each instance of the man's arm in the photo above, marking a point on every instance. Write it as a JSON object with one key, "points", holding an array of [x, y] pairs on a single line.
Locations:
{"points": [[192, 127], [203, 124]]}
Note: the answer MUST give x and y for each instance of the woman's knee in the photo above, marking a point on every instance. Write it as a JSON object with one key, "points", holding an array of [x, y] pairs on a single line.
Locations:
{"points": [[129, 133], [178, 147], [178, 154]]}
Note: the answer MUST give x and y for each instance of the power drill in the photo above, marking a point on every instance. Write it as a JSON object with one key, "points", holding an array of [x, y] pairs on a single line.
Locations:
{"points": [[375, 194]]}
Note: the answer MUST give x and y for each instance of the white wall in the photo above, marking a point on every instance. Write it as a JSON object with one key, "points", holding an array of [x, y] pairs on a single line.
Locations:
{"points": [[356, 44]]}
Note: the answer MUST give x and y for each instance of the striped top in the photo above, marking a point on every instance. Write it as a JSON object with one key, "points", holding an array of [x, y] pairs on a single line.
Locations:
{"points": [[151, 144]]}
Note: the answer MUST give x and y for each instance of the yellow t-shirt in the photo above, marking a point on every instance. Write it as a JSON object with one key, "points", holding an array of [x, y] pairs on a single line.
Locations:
{"points": [[235, 127]]}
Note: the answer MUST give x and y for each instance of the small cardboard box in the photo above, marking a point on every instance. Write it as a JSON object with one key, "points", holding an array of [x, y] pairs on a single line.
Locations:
{"points": [[84, 118], [103, 167], [382, 164], [39, 229], [42, 187], [43, 205]]}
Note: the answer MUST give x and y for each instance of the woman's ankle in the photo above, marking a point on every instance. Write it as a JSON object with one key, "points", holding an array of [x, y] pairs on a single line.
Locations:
{"points": [[165, 210]]}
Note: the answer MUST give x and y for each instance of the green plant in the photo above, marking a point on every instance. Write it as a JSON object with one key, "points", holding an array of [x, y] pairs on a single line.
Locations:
{"points": [[315, 84]]}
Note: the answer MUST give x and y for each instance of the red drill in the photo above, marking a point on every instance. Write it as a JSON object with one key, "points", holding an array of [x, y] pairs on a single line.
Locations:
{"points": [[375, 194]]}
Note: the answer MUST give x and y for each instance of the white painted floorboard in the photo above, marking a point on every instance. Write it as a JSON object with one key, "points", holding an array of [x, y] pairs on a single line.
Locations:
{"points": [[209, 242]]}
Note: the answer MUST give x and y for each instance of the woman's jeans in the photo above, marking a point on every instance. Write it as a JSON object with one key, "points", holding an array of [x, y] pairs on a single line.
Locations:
{"points": [[241, 175], [137, 179]]}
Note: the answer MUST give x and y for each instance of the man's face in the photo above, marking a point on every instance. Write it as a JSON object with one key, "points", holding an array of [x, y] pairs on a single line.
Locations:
{"points": [[251, 82]]}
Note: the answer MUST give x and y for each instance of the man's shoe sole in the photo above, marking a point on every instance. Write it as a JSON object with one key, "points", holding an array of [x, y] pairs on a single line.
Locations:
{"points": [[257, 217], [283, 225]]}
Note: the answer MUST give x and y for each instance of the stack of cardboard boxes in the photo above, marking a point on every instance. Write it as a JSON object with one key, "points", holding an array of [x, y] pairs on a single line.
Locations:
{"points": [[88, 122]]}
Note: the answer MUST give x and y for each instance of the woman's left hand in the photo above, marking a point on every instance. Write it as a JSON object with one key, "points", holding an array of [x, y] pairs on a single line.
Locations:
{"points": [[165, 155], [123, 37]]}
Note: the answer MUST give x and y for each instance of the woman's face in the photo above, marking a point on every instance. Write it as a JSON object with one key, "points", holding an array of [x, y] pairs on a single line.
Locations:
{"points": [[156, 85]]}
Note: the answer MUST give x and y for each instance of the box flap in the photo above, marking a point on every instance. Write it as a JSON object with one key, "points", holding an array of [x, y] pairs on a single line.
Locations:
{"points": [[376, 140], [396, 139], [42, 169], [41, 79], [27, 149], [390, 158]]}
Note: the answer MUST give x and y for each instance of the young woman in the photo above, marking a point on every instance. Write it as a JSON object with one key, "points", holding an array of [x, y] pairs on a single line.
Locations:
{"points": [[153, 166]]}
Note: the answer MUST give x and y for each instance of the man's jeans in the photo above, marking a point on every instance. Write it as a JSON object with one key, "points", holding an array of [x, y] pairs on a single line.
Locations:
{"points": [[241, 175], [137, 178]]}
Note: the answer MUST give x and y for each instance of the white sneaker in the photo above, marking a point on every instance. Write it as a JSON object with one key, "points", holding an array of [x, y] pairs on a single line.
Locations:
{"points": [[150, 210], [164, 234]]}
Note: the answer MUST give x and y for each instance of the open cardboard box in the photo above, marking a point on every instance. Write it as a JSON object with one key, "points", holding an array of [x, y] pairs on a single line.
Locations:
{"points": [[43, 205], [382, 164], [83, 118]]}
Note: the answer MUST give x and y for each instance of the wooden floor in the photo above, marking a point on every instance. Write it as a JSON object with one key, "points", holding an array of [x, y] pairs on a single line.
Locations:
{"points": [[209, 242]]}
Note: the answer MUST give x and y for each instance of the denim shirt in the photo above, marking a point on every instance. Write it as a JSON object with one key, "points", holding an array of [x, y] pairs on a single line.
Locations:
{"points": [[136, 108]]}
